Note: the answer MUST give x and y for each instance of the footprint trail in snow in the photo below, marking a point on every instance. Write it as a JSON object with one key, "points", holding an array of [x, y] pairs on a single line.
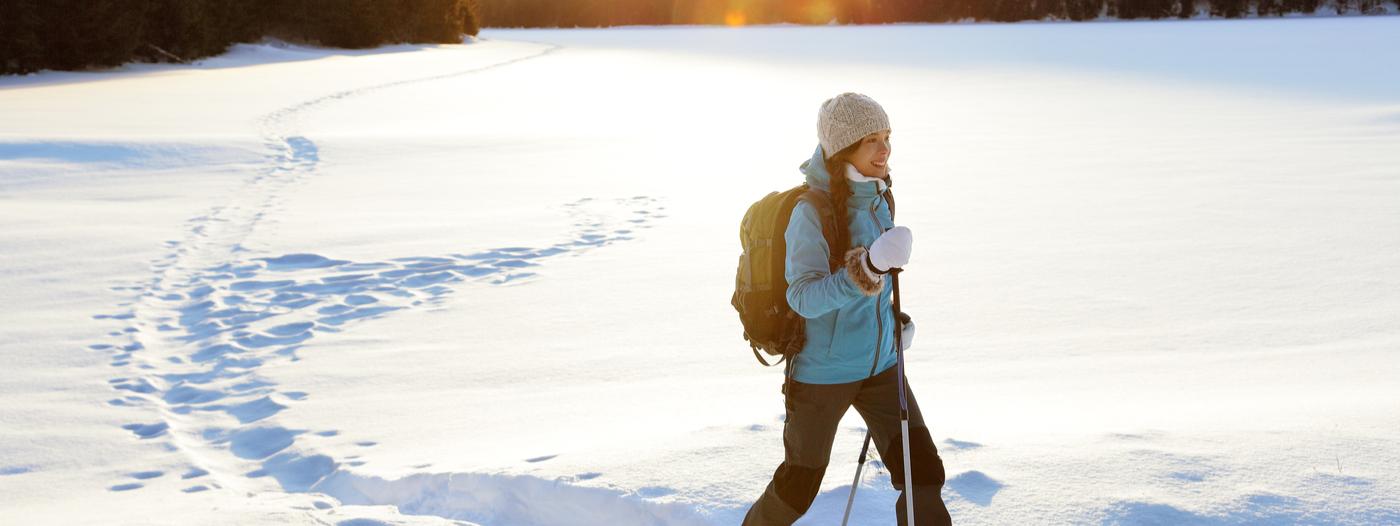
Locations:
{"points": [[195, 334], [224, 322]]}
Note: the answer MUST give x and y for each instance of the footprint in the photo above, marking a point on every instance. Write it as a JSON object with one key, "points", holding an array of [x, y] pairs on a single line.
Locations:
{"points": [[540, 459], [143, 475], [652, 492], [291, 329], [256, 341], [250, 386], [1189, 476], [139, 385], [125, 487], [961, 444], [255, 410], [194, 473], [334, 309], [184, 394], [215, 352], [243, 286], [146, 431], [975, 486], [364, 312], [359, 299], [300, 261], [260, 442]]}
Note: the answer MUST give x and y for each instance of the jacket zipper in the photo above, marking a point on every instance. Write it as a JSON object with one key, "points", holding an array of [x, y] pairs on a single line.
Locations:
{"points": [[879, 323]]}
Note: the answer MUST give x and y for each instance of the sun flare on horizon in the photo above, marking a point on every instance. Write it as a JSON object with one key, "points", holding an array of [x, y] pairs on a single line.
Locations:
{"points": [[734, 18]]}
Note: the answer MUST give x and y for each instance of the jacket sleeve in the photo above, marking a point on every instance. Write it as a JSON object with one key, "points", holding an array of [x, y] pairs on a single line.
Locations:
{"points": [[813, 290]]}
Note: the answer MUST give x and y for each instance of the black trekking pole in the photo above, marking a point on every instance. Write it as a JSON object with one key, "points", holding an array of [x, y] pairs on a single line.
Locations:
{"points": [[903, 402], [850, 501]]}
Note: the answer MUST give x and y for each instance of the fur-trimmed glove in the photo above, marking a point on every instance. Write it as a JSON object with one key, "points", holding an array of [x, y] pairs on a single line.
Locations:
{"points": [[862, 274], [890, 250]]}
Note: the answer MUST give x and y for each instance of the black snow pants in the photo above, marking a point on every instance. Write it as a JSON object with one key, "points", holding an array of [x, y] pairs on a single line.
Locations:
{"points": [[813, 413]]}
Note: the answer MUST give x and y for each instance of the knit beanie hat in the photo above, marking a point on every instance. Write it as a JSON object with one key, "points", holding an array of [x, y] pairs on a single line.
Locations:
{"points": [[847, 117]]}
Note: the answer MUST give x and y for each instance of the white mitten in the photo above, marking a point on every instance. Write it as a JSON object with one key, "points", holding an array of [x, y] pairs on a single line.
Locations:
{"points": [[891, 249], [907, 338]]}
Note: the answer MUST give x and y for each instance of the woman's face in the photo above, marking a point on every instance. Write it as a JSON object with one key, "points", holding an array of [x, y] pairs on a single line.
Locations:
{"points": [[873, 155]]}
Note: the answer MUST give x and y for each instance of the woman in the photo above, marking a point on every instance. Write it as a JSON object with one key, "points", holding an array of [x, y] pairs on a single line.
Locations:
{"points": [[849, 356]]}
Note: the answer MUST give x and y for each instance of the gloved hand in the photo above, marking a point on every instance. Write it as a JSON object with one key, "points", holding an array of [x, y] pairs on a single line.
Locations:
{"points": [[906, 337], [890, 250]]}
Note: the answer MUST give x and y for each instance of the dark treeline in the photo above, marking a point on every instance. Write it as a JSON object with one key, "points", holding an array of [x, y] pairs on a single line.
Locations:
{"points": [[602, 13], [78, 34]]}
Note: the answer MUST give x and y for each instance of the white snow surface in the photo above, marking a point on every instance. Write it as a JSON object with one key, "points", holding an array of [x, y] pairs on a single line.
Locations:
{"points": [[1156, 275]]}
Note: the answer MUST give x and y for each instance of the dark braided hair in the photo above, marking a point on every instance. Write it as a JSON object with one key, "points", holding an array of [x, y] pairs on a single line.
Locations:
{"points": [[840, 193]]}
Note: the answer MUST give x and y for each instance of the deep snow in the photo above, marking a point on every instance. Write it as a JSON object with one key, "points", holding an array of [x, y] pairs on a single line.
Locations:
{"points": [[1156, 275]]}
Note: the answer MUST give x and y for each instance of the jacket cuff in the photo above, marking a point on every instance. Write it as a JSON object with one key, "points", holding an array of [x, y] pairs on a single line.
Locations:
{"points": [[868, 283], [871, 265]]}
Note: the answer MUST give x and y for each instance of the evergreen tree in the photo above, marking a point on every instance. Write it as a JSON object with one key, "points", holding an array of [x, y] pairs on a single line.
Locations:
{"points": [[1300, 6], [1083, 9], [1228, 8], [1008, 10], [21, 50], [78, 34], [1185, 8], [1370, 7], [176, 29], [1044, 9]]}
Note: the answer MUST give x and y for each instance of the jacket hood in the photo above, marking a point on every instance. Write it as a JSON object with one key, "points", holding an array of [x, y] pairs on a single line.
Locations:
{"points": [[864, 191]]}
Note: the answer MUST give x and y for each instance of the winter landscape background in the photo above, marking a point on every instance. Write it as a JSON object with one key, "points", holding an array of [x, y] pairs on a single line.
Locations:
{"points": [[1156, 275]]}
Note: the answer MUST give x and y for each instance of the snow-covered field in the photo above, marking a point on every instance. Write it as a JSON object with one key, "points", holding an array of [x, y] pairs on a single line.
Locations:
{"points": [[1156, 275]]}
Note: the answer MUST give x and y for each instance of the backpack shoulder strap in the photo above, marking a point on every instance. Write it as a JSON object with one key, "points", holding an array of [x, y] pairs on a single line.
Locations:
{"points": [[889, 196], [889, 200], [821, 201]]}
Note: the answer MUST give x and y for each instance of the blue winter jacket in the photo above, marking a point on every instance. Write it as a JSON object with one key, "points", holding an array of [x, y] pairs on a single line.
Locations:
{"points": [[850, 335]]}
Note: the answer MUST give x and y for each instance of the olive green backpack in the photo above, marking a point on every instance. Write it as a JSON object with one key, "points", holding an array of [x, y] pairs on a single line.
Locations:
{"points": [[760, 285]]}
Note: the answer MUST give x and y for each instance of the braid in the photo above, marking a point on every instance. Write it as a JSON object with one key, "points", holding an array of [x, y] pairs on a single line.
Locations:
{"points": [[840, 193]]}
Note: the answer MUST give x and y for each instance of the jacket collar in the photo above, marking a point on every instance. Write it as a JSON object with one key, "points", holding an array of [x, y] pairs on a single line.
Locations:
{"points": [[864, 190], [854, 176]]}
